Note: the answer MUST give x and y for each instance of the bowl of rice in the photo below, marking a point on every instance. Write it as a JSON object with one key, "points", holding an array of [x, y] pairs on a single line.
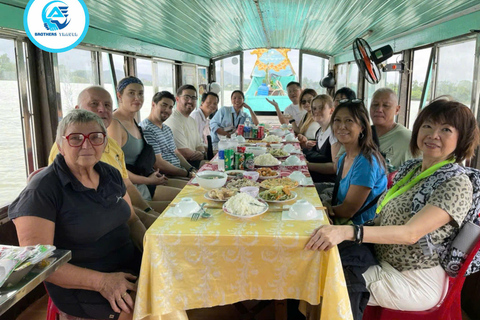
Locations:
{"points": [[266, 160], [243, 205]]}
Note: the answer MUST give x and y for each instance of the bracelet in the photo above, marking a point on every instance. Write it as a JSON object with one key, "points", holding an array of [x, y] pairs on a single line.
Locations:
{"points": [[291, 121], [356, 233], [361, 233], [191, 169], [188, 173], [148, 209]]}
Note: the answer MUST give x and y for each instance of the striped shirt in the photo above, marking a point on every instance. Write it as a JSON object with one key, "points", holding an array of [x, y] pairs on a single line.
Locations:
{"points": [[161, 139]]}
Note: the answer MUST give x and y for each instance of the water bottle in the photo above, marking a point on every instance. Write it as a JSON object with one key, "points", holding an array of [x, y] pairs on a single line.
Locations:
{"points": [[247, 129], [222, 146]]}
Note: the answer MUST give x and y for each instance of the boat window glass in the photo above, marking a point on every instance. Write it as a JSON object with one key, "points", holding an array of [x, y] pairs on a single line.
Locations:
{"points": [[144, 73], [314, 69], [352, 76], [202, 80], [389, 79], [420, 65], [12, 155], [75, 68], [341, 75], [165, 76], [107, 78], [119, 62], [456, 79]]}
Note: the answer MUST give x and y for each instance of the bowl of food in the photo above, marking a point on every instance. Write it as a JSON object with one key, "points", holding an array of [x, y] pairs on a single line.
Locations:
{"points": [[266, 160], [251, 175], [211, 179], [276, 145], [257, 151], [267, 173], [233, 174], [244, 205]]}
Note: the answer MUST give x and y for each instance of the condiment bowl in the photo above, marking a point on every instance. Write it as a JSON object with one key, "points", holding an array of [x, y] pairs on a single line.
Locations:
{"points": [[252, 175], [211, 179], [252, 191]]}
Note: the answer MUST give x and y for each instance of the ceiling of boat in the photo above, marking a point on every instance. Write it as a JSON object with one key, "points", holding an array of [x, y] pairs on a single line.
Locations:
{"points": [[211, 28]]}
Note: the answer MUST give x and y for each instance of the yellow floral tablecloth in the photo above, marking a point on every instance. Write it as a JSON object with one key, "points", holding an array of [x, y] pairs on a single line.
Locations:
{"points": [[222, 260]]}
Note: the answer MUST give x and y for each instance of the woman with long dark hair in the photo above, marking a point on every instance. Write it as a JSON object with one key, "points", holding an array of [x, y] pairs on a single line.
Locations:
{"points": [[361, 170]]}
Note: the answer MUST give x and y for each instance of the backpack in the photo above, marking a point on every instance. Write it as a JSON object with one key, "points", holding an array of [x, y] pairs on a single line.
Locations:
{"points": [[451, 258]]}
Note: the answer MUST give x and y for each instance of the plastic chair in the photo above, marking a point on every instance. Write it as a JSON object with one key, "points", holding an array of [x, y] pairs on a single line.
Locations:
{"points": [[449, 309], [52, 310], [390, 178]]}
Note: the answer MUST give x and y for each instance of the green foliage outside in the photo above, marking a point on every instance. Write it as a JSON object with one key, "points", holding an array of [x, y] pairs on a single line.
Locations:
{"points": [[7, 68], [461, 91]]}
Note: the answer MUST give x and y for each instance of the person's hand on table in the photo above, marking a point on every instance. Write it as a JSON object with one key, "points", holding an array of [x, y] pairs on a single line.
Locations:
{"points": [[114, 288], [310, 144], [157, 178], [326, 237]]}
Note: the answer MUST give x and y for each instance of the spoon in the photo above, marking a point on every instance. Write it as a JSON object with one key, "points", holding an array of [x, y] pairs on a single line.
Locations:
{"points": [[204, 214]]}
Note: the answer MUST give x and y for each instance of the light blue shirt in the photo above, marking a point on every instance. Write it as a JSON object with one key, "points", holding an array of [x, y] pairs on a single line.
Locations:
{"points": [[363, 173], [226, 117]]}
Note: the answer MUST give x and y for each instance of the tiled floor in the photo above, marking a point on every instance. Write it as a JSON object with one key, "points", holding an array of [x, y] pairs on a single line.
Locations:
{"points": [[38, 311]]}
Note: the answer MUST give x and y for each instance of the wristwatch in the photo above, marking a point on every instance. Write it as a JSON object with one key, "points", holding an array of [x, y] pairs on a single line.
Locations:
{"points": [[148, 209], [291, 121]]}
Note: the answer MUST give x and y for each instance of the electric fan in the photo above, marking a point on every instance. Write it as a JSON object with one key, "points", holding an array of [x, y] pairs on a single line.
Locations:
{"points": [[368, 60]]}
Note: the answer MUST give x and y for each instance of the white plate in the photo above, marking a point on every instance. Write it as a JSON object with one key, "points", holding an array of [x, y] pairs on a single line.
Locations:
{"points": [[277, 201], [251, 216], [211, 199]]}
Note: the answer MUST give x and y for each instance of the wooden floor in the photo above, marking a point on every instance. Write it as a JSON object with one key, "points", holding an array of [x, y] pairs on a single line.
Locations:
{"points": [[38, 311]]}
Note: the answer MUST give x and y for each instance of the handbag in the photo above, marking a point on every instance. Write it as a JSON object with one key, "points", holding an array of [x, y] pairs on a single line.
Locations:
{"points": [[145, 161]]}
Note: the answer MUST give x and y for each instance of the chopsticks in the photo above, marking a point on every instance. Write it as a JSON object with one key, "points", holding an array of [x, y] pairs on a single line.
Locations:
{"points": [[206, 207]]}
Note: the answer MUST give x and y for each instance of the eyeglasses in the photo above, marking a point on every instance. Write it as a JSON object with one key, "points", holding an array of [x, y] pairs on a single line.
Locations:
{"points": [[306, 101], [77, 139], [355, 101], [187, 97]]}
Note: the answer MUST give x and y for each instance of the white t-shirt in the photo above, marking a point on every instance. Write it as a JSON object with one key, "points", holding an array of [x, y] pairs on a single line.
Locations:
{"points": [[185, 132], [295, 112]]}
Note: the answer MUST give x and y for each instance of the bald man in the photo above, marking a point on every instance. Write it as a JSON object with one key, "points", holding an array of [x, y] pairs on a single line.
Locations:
{"points": [[393, 137]]}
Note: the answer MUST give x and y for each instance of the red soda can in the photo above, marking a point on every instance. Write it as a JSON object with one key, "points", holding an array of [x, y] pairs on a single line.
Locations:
{"points": [[241, 149], [240, 129], [260, 132]]}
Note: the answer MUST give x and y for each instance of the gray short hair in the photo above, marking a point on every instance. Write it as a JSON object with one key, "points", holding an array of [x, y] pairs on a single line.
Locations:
{"points": [[385, 90], [77, 116]]}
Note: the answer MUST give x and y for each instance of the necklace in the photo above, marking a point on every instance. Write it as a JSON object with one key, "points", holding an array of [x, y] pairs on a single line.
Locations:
{"points": [[402, 186]]}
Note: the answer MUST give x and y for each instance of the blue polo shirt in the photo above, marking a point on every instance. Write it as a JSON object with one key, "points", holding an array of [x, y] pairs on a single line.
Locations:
{"points": [[226, 117]]}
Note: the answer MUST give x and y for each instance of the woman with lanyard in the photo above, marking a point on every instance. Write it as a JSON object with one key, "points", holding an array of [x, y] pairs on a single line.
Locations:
{"points": [[227, 119], [411, 220]]}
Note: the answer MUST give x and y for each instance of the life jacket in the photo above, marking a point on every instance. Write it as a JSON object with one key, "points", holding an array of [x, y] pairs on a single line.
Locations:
{"points": [[451, 258]]}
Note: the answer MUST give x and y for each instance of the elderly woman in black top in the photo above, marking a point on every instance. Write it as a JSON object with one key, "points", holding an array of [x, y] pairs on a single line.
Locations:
{"points": [[80, 204]]}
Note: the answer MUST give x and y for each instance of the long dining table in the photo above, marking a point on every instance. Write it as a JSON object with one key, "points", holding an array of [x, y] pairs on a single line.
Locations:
{"points": [[223, 260]]}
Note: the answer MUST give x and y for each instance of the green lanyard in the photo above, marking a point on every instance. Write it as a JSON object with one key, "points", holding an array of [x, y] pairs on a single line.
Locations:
{"points": [[399, 188]]}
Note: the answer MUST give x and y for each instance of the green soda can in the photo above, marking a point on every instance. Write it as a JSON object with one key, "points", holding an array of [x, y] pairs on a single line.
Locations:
{"points": [[249, 164], [229, 159], [254, 133], [239, 161]]}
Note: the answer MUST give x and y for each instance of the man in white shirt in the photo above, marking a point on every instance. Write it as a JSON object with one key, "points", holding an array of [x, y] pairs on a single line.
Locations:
{"points": [[292, 112], [201, 115], [188, 141]]}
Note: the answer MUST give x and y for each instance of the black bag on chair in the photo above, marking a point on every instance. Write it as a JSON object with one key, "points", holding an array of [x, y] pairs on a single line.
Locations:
{"points": [[143, 166]]}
